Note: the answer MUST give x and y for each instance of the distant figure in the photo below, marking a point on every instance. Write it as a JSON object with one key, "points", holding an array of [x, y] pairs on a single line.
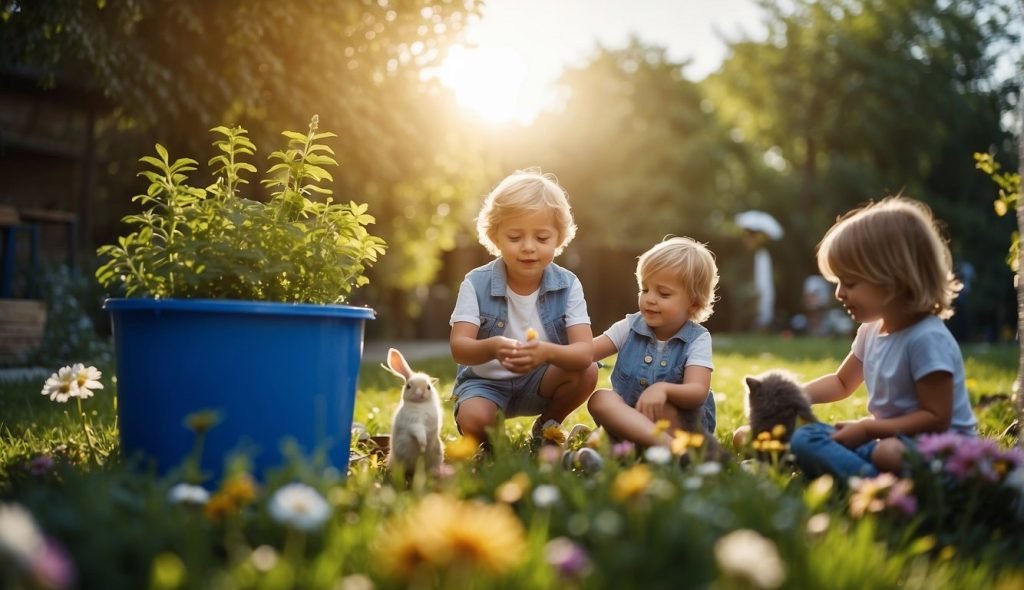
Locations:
{"points": [[758, 228], [821, 317]]}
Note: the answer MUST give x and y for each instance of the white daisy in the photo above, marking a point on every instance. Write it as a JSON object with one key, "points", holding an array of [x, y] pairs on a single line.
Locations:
{"points": [[87, 379], [19, 535], [299, 506], [546, 496], [184, 493], [658, 455], [746, 554], [61, 386]]}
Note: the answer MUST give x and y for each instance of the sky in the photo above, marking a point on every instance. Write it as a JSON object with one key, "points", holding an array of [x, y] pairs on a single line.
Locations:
{"points": [[519, 47]]}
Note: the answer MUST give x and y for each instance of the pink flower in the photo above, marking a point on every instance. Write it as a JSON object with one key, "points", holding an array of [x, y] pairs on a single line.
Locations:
{"points": [[51, 567], [901, 497], [568, 558], [623, 449]]}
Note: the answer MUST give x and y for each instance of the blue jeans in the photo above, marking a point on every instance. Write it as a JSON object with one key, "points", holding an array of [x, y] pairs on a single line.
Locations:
{"points": [[816, 453]]}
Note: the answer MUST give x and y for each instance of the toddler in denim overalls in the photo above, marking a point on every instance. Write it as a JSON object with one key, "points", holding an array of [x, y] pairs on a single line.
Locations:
{"points": [[664, 353]]}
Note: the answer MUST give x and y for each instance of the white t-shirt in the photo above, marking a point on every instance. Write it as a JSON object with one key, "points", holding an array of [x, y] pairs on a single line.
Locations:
{"points": [[893, 363], [699, 353], [522, 315]]}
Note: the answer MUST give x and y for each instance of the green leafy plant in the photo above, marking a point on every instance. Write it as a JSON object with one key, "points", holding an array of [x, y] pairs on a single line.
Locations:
{"points": [[213, 243]]}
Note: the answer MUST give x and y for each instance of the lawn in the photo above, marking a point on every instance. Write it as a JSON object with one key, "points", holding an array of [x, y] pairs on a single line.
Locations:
{"points": [[518, 518]]}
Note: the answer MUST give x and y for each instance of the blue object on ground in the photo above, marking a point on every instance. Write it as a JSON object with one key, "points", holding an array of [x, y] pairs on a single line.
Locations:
{"points": [[273, 371]]}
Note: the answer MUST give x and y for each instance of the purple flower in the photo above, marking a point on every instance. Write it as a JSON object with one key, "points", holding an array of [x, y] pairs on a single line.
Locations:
{"points": [[567, 557], [40, 465], [901, 497], [623, 449], [938, 445], [51, 567]]}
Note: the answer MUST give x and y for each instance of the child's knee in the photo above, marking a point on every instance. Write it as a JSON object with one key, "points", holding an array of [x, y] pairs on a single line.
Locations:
{"points": [[888, 455], [600, 402], [474, 418]]}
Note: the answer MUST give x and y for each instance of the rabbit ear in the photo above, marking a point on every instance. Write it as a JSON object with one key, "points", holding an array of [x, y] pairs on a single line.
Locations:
{"points": [[753, 384], [397, 364]]}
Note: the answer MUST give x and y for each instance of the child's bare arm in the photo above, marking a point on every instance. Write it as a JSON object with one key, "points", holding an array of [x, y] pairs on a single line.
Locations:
{"points": [[839, 385], [603, 347], [934, 414], [577, 355], [467, 350]]}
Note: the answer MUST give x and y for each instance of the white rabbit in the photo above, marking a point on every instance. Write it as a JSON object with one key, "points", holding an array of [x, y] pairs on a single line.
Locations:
{"points": [[416, 428]]}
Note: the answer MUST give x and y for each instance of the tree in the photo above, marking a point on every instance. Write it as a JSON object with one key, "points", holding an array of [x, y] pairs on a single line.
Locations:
{"points": [[863, 98], [175, 69]]}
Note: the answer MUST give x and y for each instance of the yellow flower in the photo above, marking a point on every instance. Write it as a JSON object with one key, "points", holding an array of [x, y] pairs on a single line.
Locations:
{"points": [[661, 426], [462, 449], [201, 422], [531, 334], [779, 431], [683, 440], [554, 433], [219, 506], [513, 490], [442, 532], [869, 495], [631, 482], [240, 488]]}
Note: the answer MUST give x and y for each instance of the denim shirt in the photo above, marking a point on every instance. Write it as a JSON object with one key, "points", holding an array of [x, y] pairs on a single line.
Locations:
{"points": [[639, 363], [491, 285]]}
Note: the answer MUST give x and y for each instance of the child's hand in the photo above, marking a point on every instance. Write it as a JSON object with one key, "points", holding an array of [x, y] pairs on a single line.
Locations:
{"points": [[851, 434], [652, 401], [527, 357], [504, 350]]}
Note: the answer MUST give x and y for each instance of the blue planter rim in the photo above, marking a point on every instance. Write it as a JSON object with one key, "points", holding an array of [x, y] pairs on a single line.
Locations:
{"points": [[237, 306]]}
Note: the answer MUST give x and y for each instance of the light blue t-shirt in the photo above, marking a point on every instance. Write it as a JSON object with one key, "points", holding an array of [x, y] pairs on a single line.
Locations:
{"points": [[894, 362]]}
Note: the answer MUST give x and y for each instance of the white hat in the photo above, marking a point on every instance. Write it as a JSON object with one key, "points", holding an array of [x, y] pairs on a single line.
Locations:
{"points": [[760, 221]]}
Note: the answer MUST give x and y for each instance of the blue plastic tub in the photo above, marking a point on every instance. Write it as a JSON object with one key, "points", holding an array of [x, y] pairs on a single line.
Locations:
{"points": [[274, 371]]}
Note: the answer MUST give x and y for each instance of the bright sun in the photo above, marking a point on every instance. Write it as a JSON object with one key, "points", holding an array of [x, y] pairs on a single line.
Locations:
{"points": [[488, 81]]}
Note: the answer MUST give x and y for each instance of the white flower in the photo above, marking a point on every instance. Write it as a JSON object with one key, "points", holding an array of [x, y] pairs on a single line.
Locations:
{"points": [[184, 493], [709, 468], [545, 496], [61, 386], [658, 455], [19, 535], [87, 379], [746, 554], [299, 506]]}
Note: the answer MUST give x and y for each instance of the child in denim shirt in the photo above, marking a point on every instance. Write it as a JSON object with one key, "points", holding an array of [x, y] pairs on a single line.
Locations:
{"points": [[520, 330], [664, 354]]}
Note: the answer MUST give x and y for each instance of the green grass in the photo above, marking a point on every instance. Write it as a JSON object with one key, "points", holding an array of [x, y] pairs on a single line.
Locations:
{"points": [[121, 531]]}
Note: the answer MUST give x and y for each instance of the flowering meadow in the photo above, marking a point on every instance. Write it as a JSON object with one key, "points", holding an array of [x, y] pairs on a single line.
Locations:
{"points": [[573, 511]]}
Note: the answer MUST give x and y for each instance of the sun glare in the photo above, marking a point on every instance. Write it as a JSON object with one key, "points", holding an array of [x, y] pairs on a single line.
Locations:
{"points": [[488, 81]]}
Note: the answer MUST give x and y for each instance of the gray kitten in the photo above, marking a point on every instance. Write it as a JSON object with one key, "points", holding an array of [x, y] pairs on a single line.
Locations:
{"points": [[776, 397]]}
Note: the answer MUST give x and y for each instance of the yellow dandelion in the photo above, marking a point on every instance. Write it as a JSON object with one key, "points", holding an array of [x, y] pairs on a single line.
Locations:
{"points": [[514, 489], [680, 442], [531, 334], [241, 488], [661, 426], [947, 553], [696, 440], [219, 506], [779, 431], [201, 422], [442, 532], [631, 482], [462, 449], [764, 435]]}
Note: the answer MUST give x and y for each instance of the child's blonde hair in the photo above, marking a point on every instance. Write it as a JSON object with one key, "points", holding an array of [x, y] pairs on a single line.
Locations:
{"points": [[694, 266], [525, 191], [896, 245]]}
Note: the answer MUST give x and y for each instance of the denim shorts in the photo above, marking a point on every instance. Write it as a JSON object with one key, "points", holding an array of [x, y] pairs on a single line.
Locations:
{"points": [[519, 396]]}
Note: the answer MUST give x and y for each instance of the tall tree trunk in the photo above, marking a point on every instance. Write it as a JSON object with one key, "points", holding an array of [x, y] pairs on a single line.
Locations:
{"points": [[1020, 251]]}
